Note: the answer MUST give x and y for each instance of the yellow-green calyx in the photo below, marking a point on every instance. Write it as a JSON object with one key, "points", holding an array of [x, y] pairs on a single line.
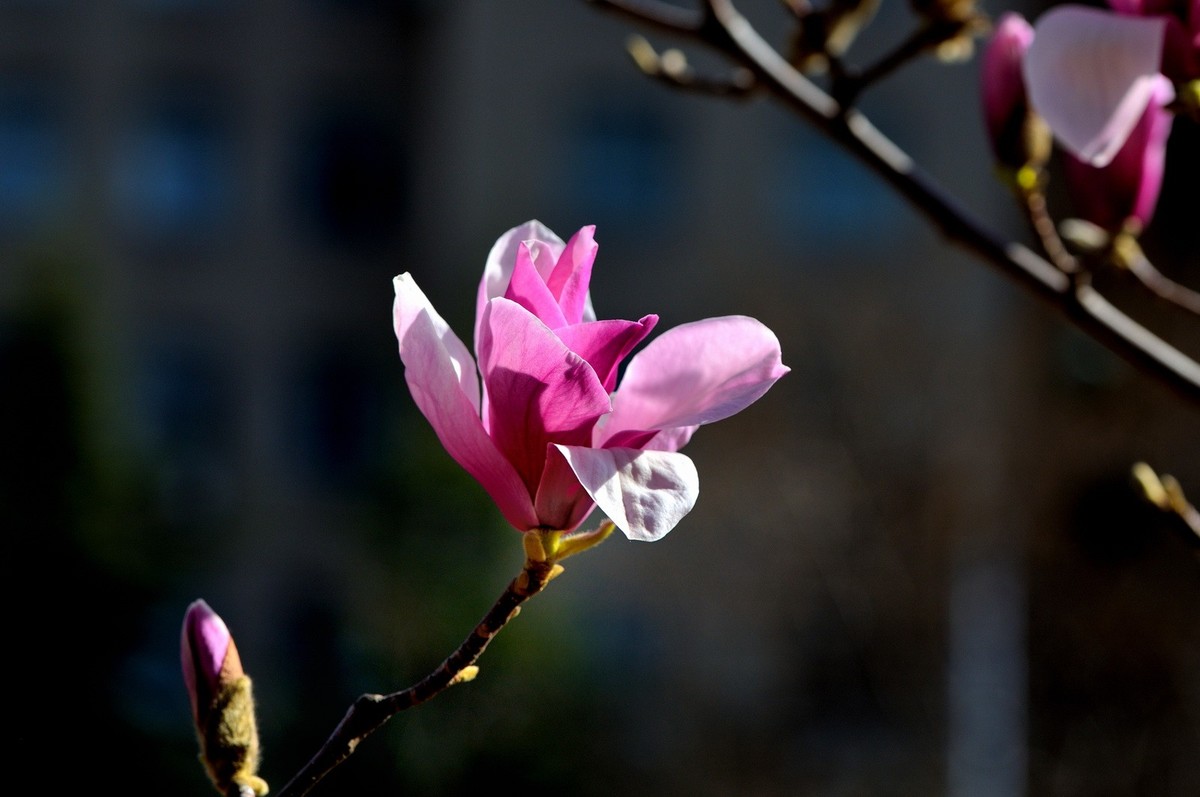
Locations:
{"points": [[550, 546]]}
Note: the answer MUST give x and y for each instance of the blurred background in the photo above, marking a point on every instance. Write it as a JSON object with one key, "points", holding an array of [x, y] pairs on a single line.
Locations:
{"points": [[916, 566]]}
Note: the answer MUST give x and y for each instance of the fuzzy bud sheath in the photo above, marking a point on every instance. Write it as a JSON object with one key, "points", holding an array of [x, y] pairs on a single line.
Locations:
{"points": [[222, 703]]}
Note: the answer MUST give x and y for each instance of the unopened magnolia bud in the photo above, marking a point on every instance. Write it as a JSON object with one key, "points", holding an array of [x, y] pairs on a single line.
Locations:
{"points": [[1018, 136], [222, 702]]}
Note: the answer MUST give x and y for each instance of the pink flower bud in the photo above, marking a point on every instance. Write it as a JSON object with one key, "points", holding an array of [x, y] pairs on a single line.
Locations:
{"points": [[208, 655], [222, 703], [1126, 190], [1005, 105]]}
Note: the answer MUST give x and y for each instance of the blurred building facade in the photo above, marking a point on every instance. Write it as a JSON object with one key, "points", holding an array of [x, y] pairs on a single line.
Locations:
{"points": [[915, 568]]}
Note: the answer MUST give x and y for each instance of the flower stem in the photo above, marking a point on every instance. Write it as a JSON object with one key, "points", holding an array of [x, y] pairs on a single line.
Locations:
{"points": [[369, 712]]}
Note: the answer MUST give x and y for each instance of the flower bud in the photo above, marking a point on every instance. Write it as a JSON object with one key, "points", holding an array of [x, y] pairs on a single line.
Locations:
{"points": [[1018, 136], [222, 703], [1123, 193]]}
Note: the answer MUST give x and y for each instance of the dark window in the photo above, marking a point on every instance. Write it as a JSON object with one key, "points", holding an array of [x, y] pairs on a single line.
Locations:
{"points": [[335, 429], [352, 179], [816, 192], [624, 164]]}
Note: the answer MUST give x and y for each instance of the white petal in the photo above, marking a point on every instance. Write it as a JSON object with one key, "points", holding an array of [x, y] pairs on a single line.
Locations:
{"points": [[645, 493], [1090, 73]]}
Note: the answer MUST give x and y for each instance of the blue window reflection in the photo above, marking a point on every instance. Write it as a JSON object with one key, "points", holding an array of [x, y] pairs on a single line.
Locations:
{"points": [[817, 192], [173, 171], [625, 162], [33, 170]]}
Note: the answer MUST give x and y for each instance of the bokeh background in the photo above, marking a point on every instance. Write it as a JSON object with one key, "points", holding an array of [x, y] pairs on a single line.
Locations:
{"points": [[916, 566]]}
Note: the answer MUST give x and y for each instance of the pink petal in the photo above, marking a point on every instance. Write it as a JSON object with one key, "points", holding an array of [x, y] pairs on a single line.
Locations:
{"points": [[573, 273], [605, 344], [696, 373], [1003, 88], [1129, 185], [1133, 8], [503, 257], [561, 501], [410, 305], [436, 368], [672, 439], [203, 644], [645, 493], [540, 392], [528, 289], [1090, 74]]}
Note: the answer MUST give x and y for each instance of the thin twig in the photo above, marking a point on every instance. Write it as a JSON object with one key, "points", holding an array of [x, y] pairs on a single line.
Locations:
{"points": [[1161, 285], [1165, 493], [726, 30], [672, 68], [370, 712], [933, 33], [1033, 200]]}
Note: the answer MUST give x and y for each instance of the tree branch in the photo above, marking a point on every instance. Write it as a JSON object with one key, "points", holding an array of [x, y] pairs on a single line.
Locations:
{"points": [[1162, 286], [849, 85], [722, 27]]}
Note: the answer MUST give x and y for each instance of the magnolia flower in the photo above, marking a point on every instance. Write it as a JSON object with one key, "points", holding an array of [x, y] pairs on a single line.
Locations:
{"points": [[540, 426], [1126, 190], [1091, 74]]}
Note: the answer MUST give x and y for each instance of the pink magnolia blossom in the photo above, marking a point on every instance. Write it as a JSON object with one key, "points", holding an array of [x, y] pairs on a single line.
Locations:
{"points": [[540, 426], [1005, 104], [1091, 74], [1127, 188]]}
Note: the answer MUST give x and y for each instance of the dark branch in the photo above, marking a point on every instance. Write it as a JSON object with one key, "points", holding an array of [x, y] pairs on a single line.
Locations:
{"points": [[850, 84], [663, 16], [672, 68], [1161, 285]]}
